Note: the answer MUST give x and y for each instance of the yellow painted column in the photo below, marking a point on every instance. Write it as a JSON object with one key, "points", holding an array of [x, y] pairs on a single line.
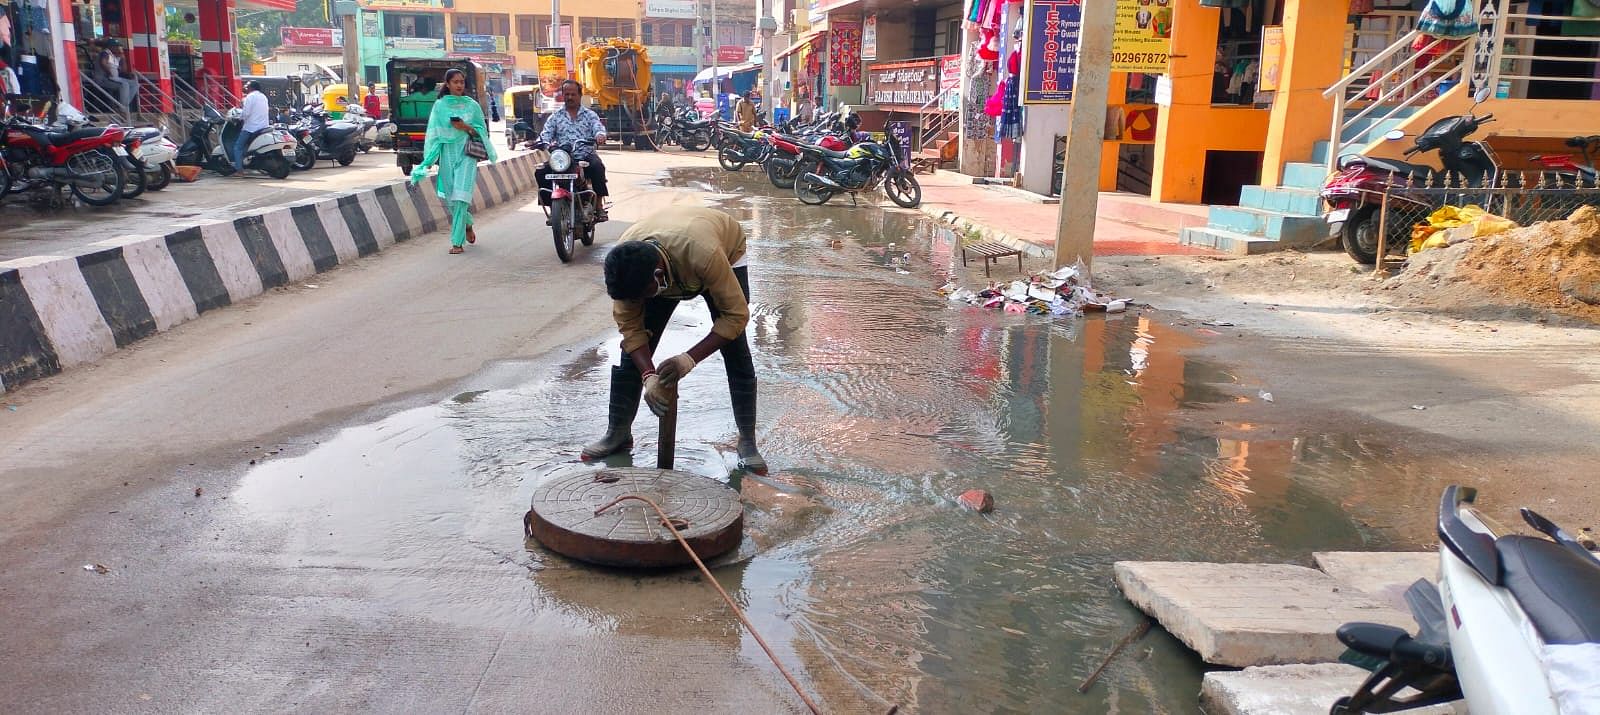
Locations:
{"points": [[1116, 94], [1313, 59], [1180, 150]]}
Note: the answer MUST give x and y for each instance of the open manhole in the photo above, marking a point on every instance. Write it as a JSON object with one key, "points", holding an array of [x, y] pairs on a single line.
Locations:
{"points": [[705, 511]]}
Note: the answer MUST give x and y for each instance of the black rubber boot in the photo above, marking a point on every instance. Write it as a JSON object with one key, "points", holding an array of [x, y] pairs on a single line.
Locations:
{"points": [[744, 415], [626, 388]]}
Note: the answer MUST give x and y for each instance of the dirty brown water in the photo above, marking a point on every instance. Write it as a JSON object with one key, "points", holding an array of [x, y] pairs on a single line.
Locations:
{"points": [[880, 403]]}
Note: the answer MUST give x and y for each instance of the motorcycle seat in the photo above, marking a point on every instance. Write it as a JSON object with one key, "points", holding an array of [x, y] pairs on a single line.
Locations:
{"points": [[1415, 171], [831, 154], [65, 138], [144, 134], [1557, 588]]}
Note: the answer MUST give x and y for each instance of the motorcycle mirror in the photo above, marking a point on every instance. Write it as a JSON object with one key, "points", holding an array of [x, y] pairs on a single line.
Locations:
{"points": [[1395, 135], [1483, 95]]}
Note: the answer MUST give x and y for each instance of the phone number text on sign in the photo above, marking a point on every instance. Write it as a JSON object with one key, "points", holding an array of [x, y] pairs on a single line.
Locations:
{"points": [[1140, 59]]}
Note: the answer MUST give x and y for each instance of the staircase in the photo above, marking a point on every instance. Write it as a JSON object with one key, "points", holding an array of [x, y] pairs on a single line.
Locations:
{"points": [[1369, 102], [939, 137], [1271, 218]]}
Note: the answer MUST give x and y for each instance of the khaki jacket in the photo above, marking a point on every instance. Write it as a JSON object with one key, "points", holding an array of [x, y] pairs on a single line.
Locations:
{"points": [[701, 245]]}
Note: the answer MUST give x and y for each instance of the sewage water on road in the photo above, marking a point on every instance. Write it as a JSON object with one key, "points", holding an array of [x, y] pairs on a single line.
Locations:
{"points": [[880, 403]]}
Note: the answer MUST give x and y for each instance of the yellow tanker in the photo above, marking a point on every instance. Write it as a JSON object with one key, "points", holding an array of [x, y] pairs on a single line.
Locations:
{"points": [[616, 77]]}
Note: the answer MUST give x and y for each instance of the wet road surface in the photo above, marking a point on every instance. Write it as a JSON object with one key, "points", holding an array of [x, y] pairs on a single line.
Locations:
{"points": [[381, 566]]}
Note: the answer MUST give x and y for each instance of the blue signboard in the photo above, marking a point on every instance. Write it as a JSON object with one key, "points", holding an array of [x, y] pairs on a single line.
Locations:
{"points": [[1050, 62], [479, 44]]}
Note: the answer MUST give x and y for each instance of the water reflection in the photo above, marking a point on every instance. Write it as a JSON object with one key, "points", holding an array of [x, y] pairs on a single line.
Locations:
{"points": [[880, 402]]}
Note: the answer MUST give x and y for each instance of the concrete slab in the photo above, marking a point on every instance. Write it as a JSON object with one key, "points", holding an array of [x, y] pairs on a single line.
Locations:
{"points": [[1383, 575], [1287, 690], [1251, 614]]}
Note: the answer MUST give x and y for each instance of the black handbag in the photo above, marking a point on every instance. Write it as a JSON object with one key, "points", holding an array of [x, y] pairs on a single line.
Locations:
{"points": [[476, 150]]}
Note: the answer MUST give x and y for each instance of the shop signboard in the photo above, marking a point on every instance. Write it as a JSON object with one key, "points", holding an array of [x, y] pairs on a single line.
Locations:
{"points": [[731, 54], [479, 44], [552, 69], [312, 36], [369, 25], [1271, 58], [869, 38], [381, 4], [414, 43], [1142, 41], [903, 84], [1051, 62], [900, 134], [670, 9], [950, 79]]}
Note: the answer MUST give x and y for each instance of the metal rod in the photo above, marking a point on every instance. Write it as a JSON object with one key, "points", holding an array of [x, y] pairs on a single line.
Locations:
{"points": [[667, 448], [1137, 633], [555, 23]]}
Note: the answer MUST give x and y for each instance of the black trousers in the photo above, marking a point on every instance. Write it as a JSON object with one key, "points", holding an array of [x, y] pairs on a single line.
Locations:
{"points": [[736, 356], [595, 172]]}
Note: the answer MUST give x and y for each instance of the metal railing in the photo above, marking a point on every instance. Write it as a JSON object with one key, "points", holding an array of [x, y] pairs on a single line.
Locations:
{"points": [[1391, 83], [936, 119], [1524, 198], [1363, 43], [1518, 46]]}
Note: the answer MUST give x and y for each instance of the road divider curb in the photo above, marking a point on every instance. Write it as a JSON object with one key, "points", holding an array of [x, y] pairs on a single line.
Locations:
{"points": [[60, 311]]}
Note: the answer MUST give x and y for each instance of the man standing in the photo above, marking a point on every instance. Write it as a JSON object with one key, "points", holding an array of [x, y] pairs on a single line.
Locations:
{"points": [[668, 257], [746, 112], [253, 121], [571, 124]]}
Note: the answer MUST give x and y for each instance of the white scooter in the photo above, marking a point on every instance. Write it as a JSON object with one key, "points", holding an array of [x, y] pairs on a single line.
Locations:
{"points": [[1515, 627]]}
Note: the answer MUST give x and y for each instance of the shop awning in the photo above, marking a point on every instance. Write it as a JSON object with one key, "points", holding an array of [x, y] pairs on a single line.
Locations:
{"points": [[284, 5], [671, 69], [803, 41], [705, 74]]}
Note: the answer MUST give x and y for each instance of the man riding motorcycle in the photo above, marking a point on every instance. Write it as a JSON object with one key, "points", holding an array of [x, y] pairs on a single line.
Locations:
{"points": [[570, 125]]}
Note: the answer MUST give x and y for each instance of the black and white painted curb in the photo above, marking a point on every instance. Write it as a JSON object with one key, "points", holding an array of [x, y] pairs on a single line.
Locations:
{"points": [[61, 311]]}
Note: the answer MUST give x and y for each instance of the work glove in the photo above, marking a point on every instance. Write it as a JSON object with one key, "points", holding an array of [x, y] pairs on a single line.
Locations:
{"points": [[675, 368], [659, 396]]}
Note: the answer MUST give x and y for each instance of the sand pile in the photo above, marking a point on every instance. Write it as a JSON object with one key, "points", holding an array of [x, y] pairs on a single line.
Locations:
{"points": [[1547, 267]]}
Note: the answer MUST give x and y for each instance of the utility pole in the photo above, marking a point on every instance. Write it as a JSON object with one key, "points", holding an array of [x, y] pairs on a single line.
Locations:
{"points": [[716, 49], [1080, 180], [555, 23], [767, 24], [346, 9]]}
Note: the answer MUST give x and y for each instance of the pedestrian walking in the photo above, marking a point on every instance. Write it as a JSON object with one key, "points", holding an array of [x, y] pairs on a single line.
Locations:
{"points": [[457, 140], [746, 112]]}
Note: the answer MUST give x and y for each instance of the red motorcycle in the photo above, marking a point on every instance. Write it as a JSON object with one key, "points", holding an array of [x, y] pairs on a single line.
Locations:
{"points": [[91, 162], [783, 162], [1569, 171]]}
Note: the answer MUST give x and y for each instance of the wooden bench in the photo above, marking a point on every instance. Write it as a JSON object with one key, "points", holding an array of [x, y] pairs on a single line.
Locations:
{"points": [[990, 252]]}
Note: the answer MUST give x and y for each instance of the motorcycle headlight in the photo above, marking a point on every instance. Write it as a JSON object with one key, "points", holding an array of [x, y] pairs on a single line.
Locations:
{"points": [[560, 160]]}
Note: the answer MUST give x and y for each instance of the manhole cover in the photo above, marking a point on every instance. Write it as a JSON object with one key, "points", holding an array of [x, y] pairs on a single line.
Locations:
{"points": [[705, 511]]}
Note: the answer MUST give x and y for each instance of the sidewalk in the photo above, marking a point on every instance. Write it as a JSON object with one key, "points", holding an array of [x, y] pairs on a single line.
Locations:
{"points": [[1129, 225]]}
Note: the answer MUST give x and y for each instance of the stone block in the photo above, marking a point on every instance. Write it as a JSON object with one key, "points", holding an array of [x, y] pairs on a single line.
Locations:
{"points": [[1251, 614], [1286, 690], [1383, 575]]}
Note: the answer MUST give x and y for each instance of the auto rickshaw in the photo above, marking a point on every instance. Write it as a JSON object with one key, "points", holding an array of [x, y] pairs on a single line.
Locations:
{"points": [[414, 85], [525, 103], [333, 97]]}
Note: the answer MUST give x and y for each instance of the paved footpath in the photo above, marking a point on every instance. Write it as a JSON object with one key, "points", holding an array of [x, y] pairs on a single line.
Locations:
{"points": [[1129, 225]]}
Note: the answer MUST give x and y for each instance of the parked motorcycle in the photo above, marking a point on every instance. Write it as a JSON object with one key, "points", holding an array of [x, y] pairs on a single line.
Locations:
{"points": [[571, 213], [86, 161], [272, 151], [1569, 170], [741, 149], [864, 167], [1355, 194], [332, 140], [367, 125], [687, 130], [155, 155], [783, 163], [1512, 626]]}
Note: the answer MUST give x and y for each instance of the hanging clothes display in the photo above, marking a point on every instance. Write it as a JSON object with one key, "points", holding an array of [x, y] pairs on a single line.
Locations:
{"points": [[844, 53], [1448, 19]]}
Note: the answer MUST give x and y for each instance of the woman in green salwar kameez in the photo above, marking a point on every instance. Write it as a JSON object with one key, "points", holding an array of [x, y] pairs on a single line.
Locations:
{"points": [[455, 116]]}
